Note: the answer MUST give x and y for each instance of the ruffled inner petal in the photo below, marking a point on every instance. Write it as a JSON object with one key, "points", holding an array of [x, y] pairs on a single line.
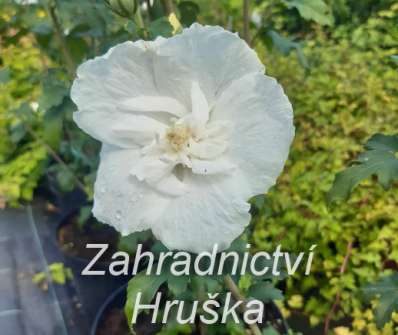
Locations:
{"points": [[170, 185], [208, 149], [151, 169], [141, 130], [155, 104], [210, 167], [200, 107]]}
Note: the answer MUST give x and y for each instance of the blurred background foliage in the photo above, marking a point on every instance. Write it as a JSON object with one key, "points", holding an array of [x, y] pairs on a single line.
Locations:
{"points": [[334, 59]]}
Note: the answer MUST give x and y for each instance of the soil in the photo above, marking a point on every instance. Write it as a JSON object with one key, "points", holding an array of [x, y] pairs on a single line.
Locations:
{"points": [[73, 239], [115, 323]]}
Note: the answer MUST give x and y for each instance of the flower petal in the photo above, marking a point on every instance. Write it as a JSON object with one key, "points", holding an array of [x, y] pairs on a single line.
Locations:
{"points": [[103, 82], [155, 104], [137, 129], [212, 212], [122, 129], [200, 108], [120, 200], [121, 83], [170, 185], [209, 167], [208, 148], [212, 56], [151, 169], [263, 128]]}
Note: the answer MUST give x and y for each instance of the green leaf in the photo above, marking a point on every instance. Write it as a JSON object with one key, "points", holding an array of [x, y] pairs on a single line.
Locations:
{"points": [[177, 284], [54, 120], [130, 242], [386, 289], [270, 331], [265, 292], [54, 92], [24, 112], [284, 45], [316, 10], [124, 8], [189, 11], [77, 47], [160, 27], [4, 75], [65, 179], [58, 273], [18, 132], [148, 285], [39, 277], [84, 215], [383, 142], [380, 159], [42, 28]]}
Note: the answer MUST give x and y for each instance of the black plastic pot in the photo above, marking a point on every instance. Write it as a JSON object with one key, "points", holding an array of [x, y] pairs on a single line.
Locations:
{"points": [[64, 202], [92, 290], [118, 298]]}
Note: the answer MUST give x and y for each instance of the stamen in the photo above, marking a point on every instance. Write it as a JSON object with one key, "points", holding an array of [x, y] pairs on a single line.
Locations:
{"points": [[178, 137]]}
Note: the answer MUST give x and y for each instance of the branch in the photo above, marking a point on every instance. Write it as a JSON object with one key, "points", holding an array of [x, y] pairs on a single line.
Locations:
{"points": [[57, 158], [59, 34], [255, 330], [140, 22], [246, 21], [338, 295], [168, 6]]}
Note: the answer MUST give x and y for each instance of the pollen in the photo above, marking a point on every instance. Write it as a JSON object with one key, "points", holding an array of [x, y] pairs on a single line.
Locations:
{"points": [[178, 137]]}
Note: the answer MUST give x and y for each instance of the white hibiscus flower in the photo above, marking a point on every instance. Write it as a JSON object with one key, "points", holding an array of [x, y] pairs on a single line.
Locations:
{"points": [[191, 129]]}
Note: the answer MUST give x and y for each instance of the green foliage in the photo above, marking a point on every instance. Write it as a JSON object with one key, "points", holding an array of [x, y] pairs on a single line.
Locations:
{"points": [[284, 45], [22, 156], [344, 92], [270, 331], [265, 291], [379, 159], [316, 10], [386, 290], [130, 242], [160, 27], [57, 273], [348, 94], [145, 284], [189, 11], [4, 75], [124, 8], [192, 287]]}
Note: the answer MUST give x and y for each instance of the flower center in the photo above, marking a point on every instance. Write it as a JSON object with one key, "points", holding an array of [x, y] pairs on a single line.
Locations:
{"points": [[178, 137]]}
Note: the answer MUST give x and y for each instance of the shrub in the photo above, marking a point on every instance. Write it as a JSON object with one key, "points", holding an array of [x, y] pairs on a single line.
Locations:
{"points": [[21, 155], [348, 94]]}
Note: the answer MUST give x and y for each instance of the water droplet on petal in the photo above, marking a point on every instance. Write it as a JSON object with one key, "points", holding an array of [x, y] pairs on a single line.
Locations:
{"points": [[136, 197], [118, 215]]}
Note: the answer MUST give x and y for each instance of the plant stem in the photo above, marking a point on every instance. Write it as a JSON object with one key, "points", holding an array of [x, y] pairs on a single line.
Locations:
{"points": [[140, 22], [168, 6], [246, 21], [57, 158], [229, 282], [202, 298], [59, 34], [202, 328], [338, 295]]}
